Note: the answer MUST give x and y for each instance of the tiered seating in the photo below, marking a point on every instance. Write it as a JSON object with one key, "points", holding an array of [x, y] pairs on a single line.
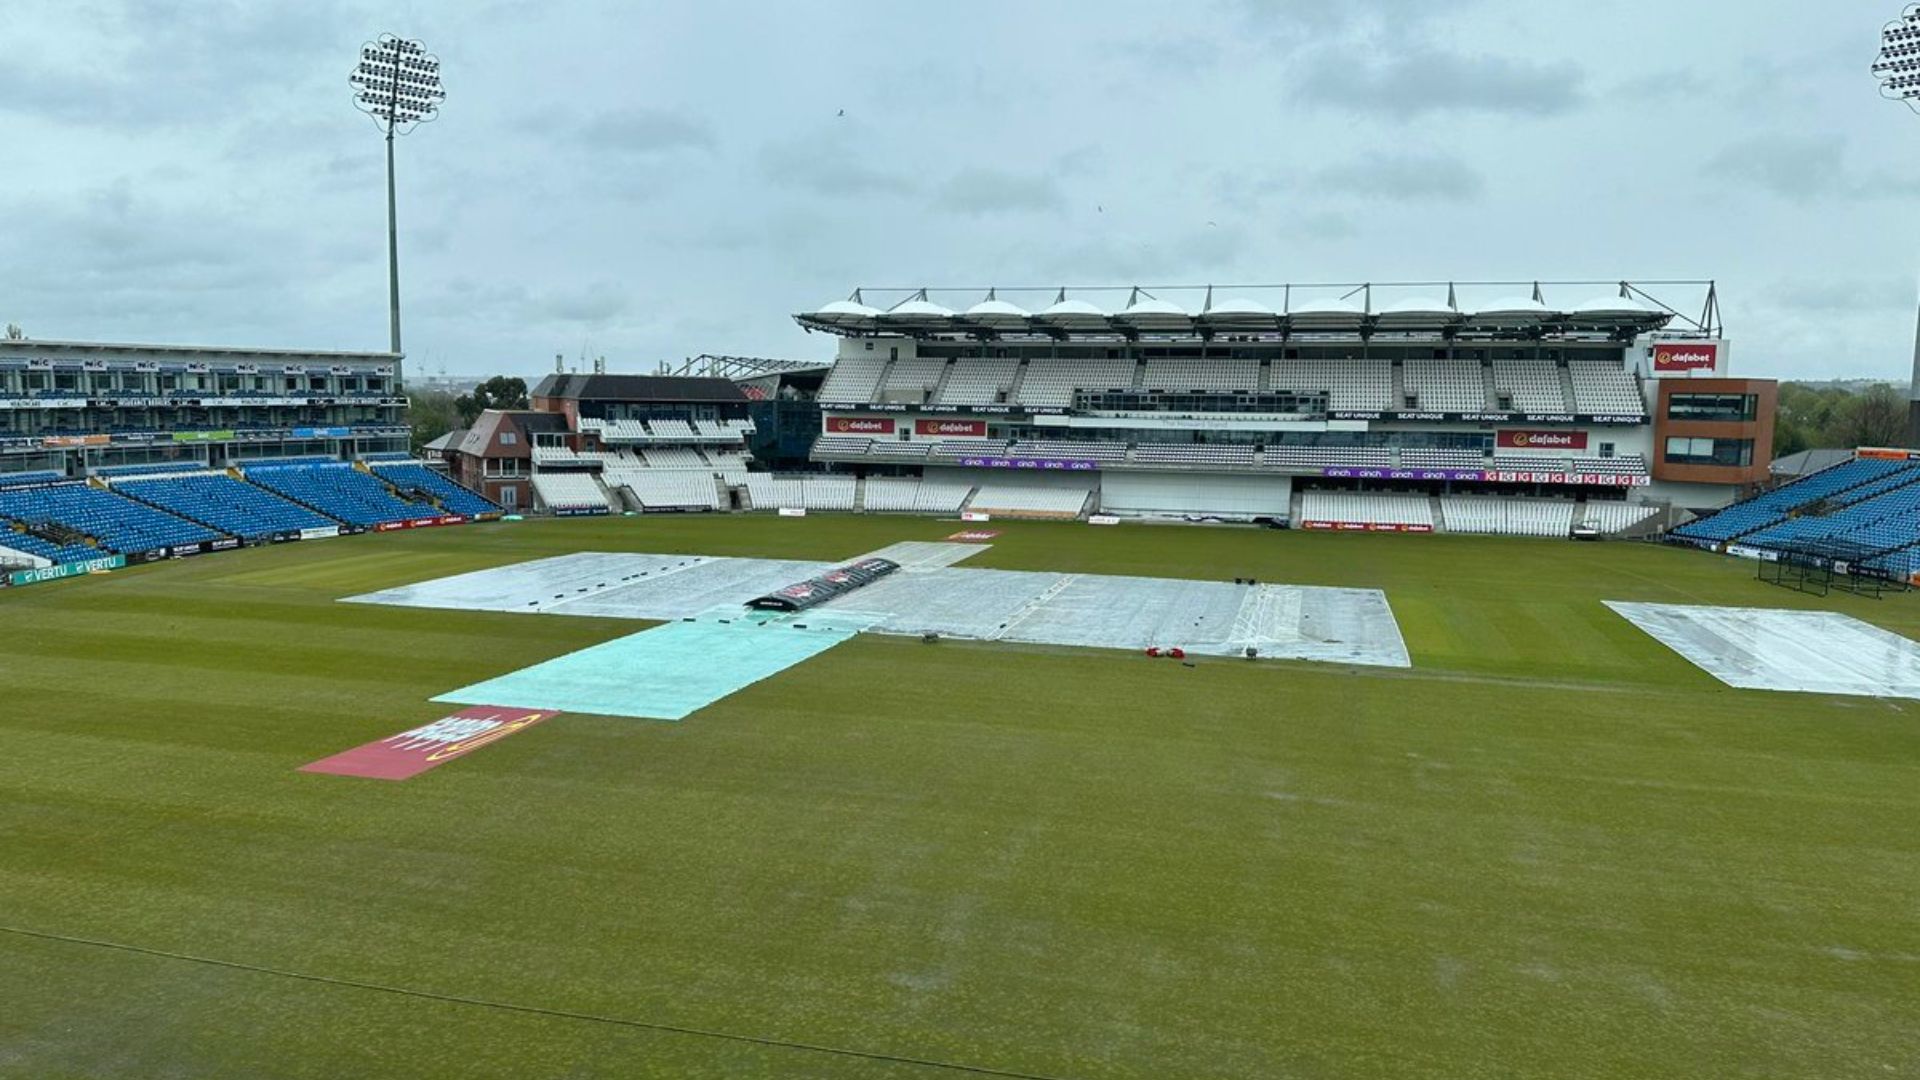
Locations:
{"points": [[842, 445], [729, 467], [1350, 385], [771, 491], [38, 476], [408, 476], [1605, 389], [1015, 495], [1366, 508], [1190, 373], [1773, 506], [672, 489], [621, 431], [1327, 457], [730, 430], [1889, 519], [1533, 462], [1493, 515], [959, 448], [673, 457], [339, 491], [1427, 458], [1625, 464], [853, 380], [1533, 385], [911, 380], [671, 429], [1612, 517], [979, 382], [221, 502], [569, 491], [1446, 385], [1083, 451], [118, 523], [1229, 455], [13, 536], [155, 468], [910, 495], [897, 450], [1050, 383], [556, 455]]}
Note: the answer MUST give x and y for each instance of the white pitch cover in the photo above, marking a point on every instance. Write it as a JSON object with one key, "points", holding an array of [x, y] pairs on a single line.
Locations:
{"points": [[1813, 652]]}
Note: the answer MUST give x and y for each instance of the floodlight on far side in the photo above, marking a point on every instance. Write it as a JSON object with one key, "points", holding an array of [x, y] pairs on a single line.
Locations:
{"points": [[1898, 64]]}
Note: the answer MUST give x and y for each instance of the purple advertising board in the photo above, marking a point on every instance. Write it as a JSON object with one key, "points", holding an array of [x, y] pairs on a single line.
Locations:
{"points": [[1070, 464]]}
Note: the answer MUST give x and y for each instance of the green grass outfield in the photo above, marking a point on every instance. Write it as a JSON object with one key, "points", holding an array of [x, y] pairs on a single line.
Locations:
{"points": [[1553, 849]]}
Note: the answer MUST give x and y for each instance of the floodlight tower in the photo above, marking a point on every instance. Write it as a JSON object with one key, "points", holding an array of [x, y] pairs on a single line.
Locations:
{"points": [[397, 82], [1898, 69]]}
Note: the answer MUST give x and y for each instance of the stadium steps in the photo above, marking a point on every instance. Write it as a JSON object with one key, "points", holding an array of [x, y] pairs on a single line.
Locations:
{"points": [[1439, 515], [860, 487], [1491, 398], [1399, 376], [1566, 387], [1019, 378], [1264, 383], [940, 384]]}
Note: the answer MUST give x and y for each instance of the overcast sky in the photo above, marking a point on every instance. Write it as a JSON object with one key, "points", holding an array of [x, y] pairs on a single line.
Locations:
{"points": [[654, 181]]}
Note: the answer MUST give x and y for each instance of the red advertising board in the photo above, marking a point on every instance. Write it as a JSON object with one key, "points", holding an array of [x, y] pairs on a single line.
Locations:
{"points": [[1523, 439], [976, 429], [1686, 356], [413, 752], [1366, 526], [860, 425]]}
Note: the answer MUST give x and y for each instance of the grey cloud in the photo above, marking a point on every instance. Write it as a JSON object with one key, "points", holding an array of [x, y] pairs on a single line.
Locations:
{"points": [[1798, 167], [1427, 80], [646, 131], [997, 191], [834, 166], [1423, 176], [1847, 295]]}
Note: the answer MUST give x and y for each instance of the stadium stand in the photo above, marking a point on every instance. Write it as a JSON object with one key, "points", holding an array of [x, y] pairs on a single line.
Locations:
{"points": [[1773, 506], [1885, 520], [1017, 496], [1350, 385], [339, 491], [979, 382], [1497, 516], [154, 469], [1613, 517], [218, 501], [1366, 509], [1327, 457], [1605, 389], [771, 491], [959, 448], [912, 495], [1050, 383], [1414, 457], [842, 445], [673, 457], [38, 476], [1531, 385], [898, 451], [570, 492], [1445, 385], [1081, 451], [1212, 374], [1231, 455], [671, 489], [912, 380], [412, 478], [854, 380], [117, 523]]}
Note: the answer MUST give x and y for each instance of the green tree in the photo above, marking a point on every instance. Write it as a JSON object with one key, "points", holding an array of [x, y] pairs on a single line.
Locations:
{"points": [[1874, 417], [432, 413], [499, 392]]}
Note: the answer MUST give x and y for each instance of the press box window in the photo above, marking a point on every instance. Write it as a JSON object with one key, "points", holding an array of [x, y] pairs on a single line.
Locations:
{"points": [[1723, 407], [1728, 452]]}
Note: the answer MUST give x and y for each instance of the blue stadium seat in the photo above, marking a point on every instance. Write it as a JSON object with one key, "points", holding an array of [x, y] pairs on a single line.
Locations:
{"points": [[411, 475], [339, 491], [1772, 507], [224, 503], [119, 524]]}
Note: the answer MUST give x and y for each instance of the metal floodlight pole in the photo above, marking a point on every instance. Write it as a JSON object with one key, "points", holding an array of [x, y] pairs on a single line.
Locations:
{"points": [[1897, 67], [397, 82]]}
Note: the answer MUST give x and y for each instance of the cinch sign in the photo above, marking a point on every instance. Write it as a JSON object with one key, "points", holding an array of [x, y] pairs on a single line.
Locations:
{"points": [[969, 428], [860, 425], [1514, 439], [1686, 356]]}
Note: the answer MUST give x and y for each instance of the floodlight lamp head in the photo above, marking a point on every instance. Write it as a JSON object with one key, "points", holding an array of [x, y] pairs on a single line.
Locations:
{"points": [[1898, 64], [397, 82]]}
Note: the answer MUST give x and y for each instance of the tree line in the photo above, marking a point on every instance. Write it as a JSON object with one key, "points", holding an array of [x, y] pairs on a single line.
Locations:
{"points": [[433, 413], [1816, 416]]}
